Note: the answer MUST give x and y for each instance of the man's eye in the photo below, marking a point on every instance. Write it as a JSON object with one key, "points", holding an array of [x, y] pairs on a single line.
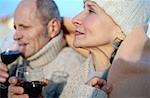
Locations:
{"points": [[14, 27], [24, 27]]}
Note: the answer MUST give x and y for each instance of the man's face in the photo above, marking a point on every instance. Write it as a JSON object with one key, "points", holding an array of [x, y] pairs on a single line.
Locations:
{"points": [[30, 32]]}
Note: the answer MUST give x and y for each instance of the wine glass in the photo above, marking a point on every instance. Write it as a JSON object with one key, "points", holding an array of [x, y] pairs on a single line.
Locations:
{"points": [[32, 80], [9, 52]]}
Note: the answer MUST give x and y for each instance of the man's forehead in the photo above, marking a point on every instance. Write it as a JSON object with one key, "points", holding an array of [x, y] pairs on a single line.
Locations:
{"points": [[26, 10], [26, 6], [27, 3]]}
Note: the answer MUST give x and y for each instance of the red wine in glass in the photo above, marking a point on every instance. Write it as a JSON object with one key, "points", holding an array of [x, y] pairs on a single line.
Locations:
{"points": [[33, 88], [32, 80], [8, 57], [10, 50]]}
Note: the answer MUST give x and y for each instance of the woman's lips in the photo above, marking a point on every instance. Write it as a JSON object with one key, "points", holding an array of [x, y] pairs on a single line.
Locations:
{"points": [[77, 33]]}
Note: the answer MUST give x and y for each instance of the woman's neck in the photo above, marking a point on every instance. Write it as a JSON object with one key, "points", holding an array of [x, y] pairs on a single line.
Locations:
{"points": [[101, 56]]}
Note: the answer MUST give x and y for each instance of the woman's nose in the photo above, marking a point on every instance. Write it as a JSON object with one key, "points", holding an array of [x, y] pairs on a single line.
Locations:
{"points": [[77, 20]]}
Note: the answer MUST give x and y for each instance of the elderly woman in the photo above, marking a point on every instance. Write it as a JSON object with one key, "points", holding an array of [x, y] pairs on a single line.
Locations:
{"points": [[108, 28]]}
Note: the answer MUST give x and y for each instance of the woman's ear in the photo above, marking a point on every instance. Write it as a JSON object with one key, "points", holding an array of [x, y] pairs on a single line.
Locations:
{"points": [[121, 35], [118, 34], [54, 27]]}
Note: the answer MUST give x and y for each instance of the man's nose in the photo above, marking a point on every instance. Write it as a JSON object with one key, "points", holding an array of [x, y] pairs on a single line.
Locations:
{"points": [[18, 35]]}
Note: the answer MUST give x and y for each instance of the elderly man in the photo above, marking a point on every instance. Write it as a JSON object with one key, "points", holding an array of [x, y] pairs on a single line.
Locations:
{"points": [[38, 33]]}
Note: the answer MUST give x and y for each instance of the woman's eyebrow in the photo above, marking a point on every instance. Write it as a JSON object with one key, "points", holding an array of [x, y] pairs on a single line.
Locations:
{"points": [[91, 6]]}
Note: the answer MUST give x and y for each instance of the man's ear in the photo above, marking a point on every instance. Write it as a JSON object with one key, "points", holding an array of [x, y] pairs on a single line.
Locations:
{"points": [[53, 27]]}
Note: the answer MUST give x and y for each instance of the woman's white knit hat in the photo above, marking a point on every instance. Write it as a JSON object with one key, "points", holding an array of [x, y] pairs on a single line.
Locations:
{"points": [[126, 13]]}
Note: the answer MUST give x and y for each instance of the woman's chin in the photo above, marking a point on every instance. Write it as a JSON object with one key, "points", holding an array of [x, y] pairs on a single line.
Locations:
{"points": [[78, 44]]}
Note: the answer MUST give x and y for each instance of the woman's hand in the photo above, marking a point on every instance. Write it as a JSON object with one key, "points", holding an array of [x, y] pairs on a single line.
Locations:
{"points": [[100, 84]]}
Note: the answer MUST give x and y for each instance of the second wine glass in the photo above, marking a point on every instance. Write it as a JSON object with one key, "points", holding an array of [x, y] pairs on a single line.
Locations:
{"points": [[32, 80]]}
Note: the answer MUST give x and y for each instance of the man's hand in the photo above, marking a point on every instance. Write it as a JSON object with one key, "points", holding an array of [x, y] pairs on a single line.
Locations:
{"points": [[16, 91], [3, 72]]}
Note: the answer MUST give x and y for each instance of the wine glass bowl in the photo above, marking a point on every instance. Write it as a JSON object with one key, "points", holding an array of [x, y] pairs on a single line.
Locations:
{"points": [[9, 51], [8, 57], [32, 80]]}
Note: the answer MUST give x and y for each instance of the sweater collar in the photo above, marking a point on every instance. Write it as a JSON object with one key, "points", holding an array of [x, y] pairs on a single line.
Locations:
{"points": [[48, 53]]}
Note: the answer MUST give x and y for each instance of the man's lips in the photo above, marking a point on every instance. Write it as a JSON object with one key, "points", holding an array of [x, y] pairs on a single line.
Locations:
{"points": [[20, 43], [22, 46]]}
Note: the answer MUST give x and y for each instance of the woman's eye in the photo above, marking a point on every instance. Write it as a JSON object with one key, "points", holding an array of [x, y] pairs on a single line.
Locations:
{"points": [[91, 11]]}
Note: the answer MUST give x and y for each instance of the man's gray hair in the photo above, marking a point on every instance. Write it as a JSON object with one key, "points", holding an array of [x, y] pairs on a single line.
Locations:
{"points": [[47, 10]]}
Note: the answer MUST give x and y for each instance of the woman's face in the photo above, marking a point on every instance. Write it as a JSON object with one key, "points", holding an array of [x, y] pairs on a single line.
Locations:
{"points": [[93, 26]]}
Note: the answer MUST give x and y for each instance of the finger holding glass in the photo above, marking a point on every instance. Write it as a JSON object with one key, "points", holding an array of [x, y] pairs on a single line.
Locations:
{"points": [[3, 73], [16, 91]]}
